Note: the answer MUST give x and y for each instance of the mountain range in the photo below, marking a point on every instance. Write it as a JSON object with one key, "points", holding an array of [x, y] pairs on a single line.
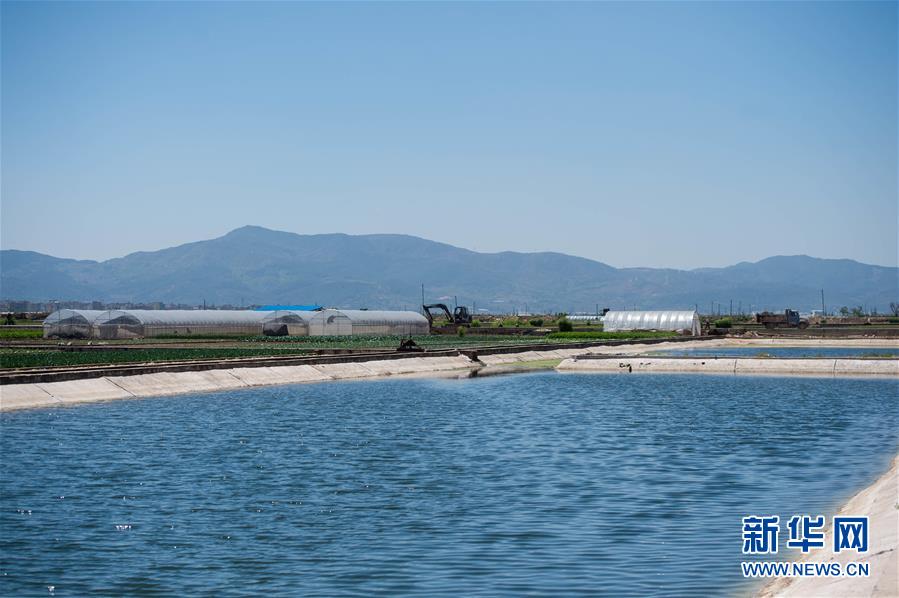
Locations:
{"points": [[254, 265]]}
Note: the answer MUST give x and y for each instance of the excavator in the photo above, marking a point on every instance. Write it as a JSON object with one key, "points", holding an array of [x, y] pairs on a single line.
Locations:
{"points": [[459, 316]]}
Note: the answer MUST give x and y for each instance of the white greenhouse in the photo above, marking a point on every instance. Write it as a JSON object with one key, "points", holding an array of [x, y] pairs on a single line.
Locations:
{"points": [[584, 317], [286, 323], [70, 323], [139, 323], [403, 323], [136, 323], [683, 322], [342, 322]]}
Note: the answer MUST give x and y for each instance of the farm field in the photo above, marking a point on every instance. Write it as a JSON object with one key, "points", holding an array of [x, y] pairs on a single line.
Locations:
{"points": [[30, 358], [20, 332], [53, 353]]}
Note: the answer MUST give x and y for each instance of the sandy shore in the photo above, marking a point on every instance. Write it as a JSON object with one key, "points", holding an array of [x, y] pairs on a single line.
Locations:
{"points": [[880, 502]]}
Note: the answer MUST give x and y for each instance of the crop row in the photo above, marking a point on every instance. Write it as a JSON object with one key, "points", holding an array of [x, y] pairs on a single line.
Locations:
{"points": [[13, 332], [15, 358]]}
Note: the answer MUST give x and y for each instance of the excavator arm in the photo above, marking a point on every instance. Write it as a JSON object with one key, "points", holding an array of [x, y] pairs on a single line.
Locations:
{"points": [[441, 308]]}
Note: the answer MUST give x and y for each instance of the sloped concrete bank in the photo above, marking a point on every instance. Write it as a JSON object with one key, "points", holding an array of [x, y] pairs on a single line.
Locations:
{"points": [[731, 365], [105, 388], [58, 374], [62, 386], [880, 503]]}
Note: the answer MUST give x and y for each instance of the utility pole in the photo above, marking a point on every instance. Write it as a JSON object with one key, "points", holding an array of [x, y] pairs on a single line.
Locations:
{"points": [[823, 308], [422, 298], [731, 308]]}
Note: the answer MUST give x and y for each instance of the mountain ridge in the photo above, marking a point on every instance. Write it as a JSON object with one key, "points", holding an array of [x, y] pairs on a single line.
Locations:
{"points": [[253, 264]]}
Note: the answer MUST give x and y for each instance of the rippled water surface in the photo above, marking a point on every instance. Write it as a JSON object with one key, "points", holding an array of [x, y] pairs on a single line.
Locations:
{"points": [[864, 352], [539, 483]]}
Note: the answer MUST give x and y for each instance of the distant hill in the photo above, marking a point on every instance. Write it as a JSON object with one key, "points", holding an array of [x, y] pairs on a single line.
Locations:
{"points": [[257, 265]]}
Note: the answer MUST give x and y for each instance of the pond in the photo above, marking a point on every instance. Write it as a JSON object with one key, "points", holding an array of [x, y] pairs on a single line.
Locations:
{"points": [[536, 483]]}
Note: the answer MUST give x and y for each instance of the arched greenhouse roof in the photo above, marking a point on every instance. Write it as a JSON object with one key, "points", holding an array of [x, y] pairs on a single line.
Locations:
{"points": [[366, 316], [651, 320], [84, 316], [288, 316], [116, 316], [184, 317]]}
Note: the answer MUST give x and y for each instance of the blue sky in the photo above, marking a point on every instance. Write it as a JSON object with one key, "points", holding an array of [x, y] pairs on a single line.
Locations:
{"points": [[638, 134]]}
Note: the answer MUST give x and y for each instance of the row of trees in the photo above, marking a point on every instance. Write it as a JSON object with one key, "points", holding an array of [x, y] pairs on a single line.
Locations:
{"points": [[859, 311]]}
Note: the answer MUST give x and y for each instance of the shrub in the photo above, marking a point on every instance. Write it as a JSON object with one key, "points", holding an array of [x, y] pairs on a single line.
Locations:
{"points": [[893, 320], [565, 325], [510, 322], [538, 322], [460, 331], [723, 323], [475, 323]]}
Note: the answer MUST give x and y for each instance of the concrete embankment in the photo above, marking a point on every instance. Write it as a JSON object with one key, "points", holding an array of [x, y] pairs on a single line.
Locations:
{"points": [[21, 389], [63, 373], [880, 503], [54, 394], [731, 365], [49, 388], [841, 343]]}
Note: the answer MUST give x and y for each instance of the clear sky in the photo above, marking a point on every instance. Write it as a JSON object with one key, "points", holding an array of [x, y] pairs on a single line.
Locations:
{"points": [[638, 134]]}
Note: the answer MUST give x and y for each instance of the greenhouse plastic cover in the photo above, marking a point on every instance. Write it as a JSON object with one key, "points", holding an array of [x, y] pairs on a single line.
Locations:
{"points": [[62, 315], [652, 320], [177, 317], [363, 316], [213, 317]]}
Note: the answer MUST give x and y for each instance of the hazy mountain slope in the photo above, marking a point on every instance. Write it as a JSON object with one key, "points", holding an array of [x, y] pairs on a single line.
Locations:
{"points": [[257, 265]]}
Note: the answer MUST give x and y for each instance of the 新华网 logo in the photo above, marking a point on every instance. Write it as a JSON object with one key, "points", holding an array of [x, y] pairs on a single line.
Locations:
{"points": [[761, 536]]}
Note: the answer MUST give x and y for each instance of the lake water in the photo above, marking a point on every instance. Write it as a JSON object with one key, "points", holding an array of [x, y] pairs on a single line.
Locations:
{"points": [[539, 483], [831, 352]]}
